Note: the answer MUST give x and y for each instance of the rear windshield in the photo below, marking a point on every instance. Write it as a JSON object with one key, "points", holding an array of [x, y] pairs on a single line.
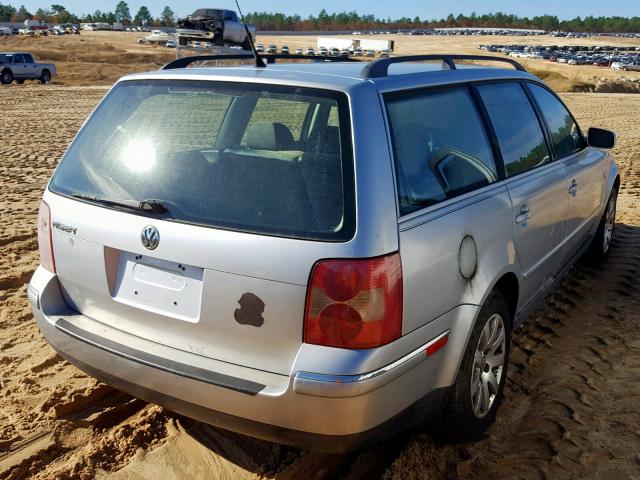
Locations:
{"points": [[256, 158]]}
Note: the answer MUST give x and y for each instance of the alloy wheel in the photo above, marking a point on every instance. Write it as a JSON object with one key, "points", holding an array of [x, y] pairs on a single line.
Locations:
{"points": [[609, 221], [488, 366]]}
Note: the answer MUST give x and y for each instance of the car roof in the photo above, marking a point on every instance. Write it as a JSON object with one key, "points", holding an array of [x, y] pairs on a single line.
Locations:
{"points": [[342, 76]]}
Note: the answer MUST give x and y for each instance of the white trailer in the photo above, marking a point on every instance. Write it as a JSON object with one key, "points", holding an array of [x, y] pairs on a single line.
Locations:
{"points": [[339, 43], [376, 45]]}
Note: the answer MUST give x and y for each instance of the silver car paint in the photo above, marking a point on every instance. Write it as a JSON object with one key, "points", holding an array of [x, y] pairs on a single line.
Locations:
{"points": [[436, 299], [278, 404]]}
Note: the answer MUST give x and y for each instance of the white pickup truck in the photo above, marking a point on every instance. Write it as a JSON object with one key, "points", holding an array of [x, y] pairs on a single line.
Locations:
{"points": [[21, 66]]}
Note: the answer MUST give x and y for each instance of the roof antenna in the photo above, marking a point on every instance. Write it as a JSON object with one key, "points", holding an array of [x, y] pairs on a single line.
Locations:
{"points": [[259, 60]]}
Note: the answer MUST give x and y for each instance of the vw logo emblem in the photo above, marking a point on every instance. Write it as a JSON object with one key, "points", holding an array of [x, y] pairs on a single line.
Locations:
{"points": [[150, 237]]}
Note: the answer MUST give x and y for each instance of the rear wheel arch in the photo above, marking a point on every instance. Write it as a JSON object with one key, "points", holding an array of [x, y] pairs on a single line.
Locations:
{"points": [[509, 286]]}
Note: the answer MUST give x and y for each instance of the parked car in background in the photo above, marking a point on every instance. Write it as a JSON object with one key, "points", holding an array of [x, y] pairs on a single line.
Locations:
{"points": [[633, 66], [299, 51], [260, 48], [284, 50], [171, 44], [309, 51], [5, 31], [21, 66], [272, 49]]}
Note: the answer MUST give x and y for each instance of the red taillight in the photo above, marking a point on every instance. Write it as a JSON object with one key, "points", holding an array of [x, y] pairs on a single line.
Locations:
{"points": [[354, 303], [45, 242]]}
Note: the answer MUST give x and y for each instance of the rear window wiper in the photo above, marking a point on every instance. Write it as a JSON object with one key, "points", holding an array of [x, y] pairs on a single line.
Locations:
{"points": [[147, 206]]}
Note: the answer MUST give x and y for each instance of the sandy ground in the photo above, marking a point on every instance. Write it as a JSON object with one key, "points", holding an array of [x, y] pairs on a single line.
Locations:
{"points": [[100, 58], [571, 401]]}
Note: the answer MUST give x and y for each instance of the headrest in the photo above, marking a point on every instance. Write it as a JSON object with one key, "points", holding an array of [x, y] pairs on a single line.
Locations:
{"points": [[269, 136]]}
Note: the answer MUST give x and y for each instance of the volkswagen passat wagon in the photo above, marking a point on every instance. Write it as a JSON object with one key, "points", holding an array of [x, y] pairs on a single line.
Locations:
{"points": [[317, 254]]}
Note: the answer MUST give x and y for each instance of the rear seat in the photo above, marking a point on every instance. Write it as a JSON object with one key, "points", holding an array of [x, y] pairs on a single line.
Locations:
{"points": [[269, 183], [269, 140], [322, 174], [263, 182]]}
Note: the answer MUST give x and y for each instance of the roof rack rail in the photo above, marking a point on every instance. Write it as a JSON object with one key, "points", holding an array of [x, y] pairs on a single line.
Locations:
{"points": [[380, 68], [270, 58]]}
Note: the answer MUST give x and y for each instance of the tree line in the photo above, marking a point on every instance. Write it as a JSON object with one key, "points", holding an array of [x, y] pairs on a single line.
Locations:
{"points": [[59, 14], [354, 21], [335, 21]]}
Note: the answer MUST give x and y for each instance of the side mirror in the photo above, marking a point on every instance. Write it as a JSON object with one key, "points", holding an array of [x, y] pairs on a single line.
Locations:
{"points": [[601, 138]]}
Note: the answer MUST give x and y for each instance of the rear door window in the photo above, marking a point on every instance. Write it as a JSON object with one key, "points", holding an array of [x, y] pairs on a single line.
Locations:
{"points": [[565, 134], [440, 146], [18, 58], [516, 125], [245, 157]]}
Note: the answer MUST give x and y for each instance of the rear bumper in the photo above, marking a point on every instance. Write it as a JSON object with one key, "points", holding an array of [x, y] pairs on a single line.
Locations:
{"points": [[314, 411], [427, 407]]}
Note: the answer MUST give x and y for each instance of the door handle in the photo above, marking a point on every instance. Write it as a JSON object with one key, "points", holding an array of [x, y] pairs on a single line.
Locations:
{"points": [[523, 217], [573, 189]]}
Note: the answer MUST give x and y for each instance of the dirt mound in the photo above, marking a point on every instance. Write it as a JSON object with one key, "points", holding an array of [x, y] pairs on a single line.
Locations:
{"points": [[570, 408]]}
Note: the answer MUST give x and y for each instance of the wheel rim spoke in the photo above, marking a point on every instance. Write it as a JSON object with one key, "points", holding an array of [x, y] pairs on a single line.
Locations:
{"points": [[610, 219], [492, 382], [485, 398], [495, 361], [488, 364]]}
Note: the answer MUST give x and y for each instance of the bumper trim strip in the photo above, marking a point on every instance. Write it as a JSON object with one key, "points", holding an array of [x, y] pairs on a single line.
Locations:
{"points": [[323, 385], [195, 373]]}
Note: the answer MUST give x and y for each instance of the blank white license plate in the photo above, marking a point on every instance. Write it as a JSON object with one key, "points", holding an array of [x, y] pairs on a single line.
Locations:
{"points": [[167, 288]]}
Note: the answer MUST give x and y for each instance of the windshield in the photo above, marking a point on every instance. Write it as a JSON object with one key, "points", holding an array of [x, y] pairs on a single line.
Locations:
{"points": [[257, 158], [207, 12]]}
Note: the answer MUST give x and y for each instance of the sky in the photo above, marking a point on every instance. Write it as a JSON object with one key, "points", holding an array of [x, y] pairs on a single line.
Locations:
{"points": [[425, 9]]}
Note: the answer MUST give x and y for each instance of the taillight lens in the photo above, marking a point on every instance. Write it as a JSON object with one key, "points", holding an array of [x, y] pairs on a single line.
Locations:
{"points": [[45, 242], [354, 303]]}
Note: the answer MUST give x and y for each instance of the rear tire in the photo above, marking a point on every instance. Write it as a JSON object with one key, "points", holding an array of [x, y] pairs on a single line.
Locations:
{"points": [[476, 394], [45, 77], [601, 242], [6, 77]]}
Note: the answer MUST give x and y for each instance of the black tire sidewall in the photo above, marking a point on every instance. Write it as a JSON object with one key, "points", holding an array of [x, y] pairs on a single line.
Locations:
{"points": [[459, 423], [2, 77], [45, 77], [596, 252]]}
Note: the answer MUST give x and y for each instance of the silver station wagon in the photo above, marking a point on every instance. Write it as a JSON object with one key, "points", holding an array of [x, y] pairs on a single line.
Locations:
{"points": [[318, 254]]}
